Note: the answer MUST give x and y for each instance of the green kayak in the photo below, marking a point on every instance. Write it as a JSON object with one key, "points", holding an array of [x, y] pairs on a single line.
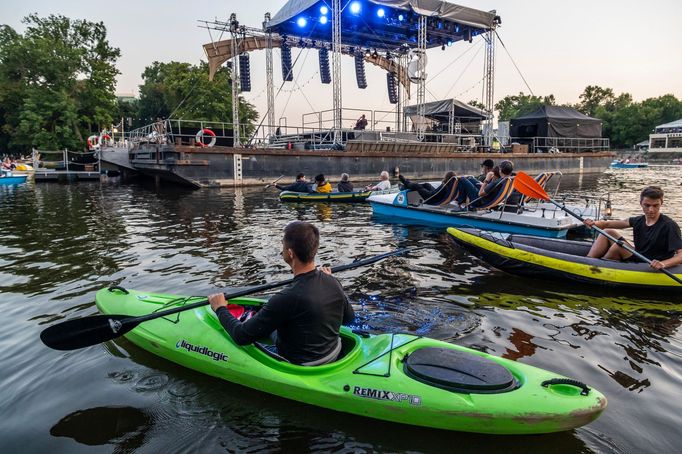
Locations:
{"points": [[401, 378]]}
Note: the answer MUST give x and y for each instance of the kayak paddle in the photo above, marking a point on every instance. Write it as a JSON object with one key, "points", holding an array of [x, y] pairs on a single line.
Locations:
{"points": [[273, 183], [87, 331], [527, 186]]}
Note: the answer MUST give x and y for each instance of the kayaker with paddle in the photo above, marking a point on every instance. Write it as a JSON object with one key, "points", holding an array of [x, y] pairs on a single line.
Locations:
{"points": [[300, 185], [656, 235], [306, 316]]}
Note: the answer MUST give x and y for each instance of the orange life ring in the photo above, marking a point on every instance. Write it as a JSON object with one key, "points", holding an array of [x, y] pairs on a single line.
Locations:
{"points": [[200, 135]]}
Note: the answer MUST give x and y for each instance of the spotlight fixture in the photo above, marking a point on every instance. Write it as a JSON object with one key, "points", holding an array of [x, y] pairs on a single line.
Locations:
{"points": [[323, 20], [324, 9], [401, 17], [381, 12], [355, 7], [301, 22]]}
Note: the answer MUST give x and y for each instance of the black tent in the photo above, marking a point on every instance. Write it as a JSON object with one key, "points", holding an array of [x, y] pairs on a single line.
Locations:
{"points": [[555, 121]]}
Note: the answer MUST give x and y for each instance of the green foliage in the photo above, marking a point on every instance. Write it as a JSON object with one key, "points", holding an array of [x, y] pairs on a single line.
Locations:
{"points": [[56, 83], [517, 105], [626, 122], [182, 91]]}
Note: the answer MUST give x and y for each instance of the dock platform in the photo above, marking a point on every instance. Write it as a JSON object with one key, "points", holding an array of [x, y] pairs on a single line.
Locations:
{"points": [[65, 175]]}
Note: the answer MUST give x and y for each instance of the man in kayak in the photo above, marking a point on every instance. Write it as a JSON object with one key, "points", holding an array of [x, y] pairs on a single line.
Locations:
{"points": [[300, 185], [656, 236], [306, 316]]}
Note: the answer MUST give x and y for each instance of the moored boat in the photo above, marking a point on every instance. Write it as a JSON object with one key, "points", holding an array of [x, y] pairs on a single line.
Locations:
{"points": [[629, 165], [402, 378], [7, 178], [558, 259]]}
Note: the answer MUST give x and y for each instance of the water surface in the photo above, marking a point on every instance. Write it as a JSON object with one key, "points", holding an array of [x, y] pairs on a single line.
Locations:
{"points": [[61, 243]]}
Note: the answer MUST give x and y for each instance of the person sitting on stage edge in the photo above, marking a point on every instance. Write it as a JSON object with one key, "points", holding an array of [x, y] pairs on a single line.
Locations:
{"points": [[382, 185], [361, 124], [321, 185], [305, 318], [489, 189], [345, 185], [426, 190], [300, 185], [657, 237]]}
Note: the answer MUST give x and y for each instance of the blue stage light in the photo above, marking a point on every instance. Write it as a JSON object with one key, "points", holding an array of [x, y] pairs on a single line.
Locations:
{"points": [[355, 7], [323, 20], [301, 22], [324, 10], [401, 17], [449, 42], [381, 12]]}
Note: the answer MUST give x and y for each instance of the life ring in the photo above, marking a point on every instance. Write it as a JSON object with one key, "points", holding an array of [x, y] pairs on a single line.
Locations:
{"points": [[93, 142], [200, 136]]}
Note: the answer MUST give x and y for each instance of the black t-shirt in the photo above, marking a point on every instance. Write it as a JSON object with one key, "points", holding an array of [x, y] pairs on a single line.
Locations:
{"points": [[307, 316], [658, 241]]}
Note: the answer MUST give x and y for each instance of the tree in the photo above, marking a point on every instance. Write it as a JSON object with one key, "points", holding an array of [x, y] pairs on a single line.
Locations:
{"points": [[182, 91], [513, 106], [56, 83]]}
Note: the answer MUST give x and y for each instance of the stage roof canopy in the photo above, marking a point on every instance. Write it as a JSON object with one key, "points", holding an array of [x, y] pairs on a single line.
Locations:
{"points": [[441, 110], [383, 24]]}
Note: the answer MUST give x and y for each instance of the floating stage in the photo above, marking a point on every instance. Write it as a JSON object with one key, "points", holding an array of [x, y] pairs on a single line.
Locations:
{"points": [[228, 166]]}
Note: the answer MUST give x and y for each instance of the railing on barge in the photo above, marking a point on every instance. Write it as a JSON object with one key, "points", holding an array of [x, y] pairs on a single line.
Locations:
{"points": [[186, 132]]}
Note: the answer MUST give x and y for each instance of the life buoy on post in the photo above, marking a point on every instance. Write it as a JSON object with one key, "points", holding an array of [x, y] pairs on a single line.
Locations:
{"points": [[200, 136], [93, 142]]}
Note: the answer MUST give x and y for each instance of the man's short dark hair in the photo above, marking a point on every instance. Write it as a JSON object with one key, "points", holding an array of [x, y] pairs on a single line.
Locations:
{"points": [[488, 163], [300, 176], [303, 238], [506, 167], [651, 192]]}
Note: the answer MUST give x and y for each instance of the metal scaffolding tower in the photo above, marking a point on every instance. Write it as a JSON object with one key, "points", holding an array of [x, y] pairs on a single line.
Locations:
{"points": [[489, 86], [421, 86], [269, 80], [336, 70], [234, 31]]}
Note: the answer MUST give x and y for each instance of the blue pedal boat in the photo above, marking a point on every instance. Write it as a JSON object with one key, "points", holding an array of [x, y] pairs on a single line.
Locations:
{"points": [[543, 220]]}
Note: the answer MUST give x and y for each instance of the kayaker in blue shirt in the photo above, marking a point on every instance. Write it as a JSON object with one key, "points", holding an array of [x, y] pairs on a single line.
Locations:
{"points": [[306, 316], [657, 237], [300, 185]]}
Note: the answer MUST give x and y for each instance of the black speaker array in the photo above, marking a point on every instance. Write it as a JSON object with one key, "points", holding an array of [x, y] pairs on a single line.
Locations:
{"points": [[244, 73], [360, 70], [324, 66], [392, 85], [287, 66]]}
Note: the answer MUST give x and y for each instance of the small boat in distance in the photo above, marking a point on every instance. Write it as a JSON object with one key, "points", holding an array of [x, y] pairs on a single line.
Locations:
{"points": [[618, 164], [8, 178]]}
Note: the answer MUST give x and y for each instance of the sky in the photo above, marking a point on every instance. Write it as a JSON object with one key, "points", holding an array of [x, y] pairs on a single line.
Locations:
{"points": [[560, 47]]}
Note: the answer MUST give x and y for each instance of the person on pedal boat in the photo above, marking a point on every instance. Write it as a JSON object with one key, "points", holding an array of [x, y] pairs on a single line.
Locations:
{"points": [[300, 185], [382, 185], [656, 236], [306, 316]]}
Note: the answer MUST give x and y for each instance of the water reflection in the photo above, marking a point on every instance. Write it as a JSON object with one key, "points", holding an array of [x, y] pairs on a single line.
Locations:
{"points": [[124, 427]]}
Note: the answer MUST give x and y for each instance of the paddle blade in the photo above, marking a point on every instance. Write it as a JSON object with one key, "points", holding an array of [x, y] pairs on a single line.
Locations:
{"points": [[87, 331], [527, 186]]}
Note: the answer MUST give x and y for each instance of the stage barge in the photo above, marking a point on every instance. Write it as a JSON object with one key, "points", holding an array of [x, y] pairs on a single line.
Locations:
{"points": [[228, 166]]}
